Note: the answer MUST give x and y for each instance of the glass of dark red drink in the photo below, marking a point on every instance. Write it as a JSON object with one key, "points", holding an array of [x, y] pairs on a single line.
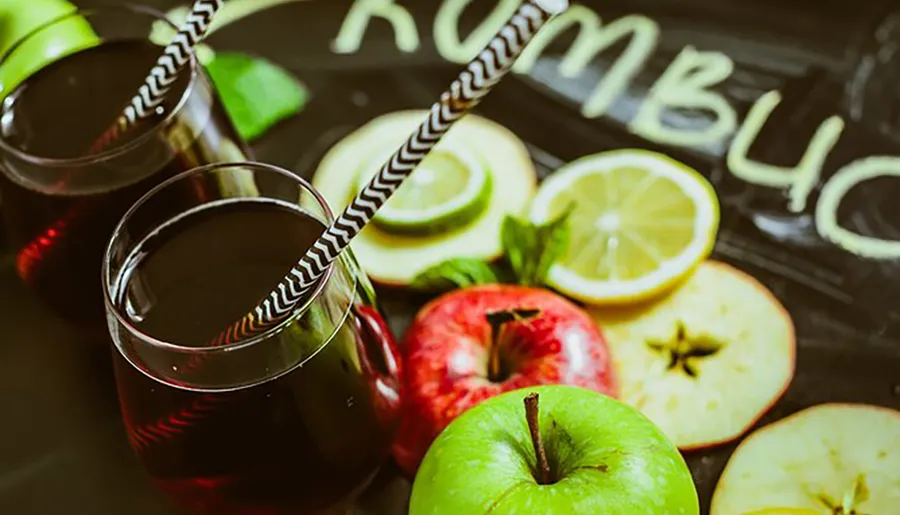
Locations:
{"points": [[295, 420], [60, 202]]}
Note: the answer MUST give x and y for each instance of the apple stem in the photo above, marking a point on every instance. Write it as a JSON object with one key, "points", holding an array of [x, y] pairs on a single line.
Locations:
{"points": [[532, 413], [494, 369]]}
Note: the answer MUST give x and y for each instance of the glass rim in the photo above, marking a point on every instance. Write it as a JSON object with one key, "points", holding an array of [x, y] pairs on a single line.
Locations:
{"points": [[146, 339], [105, 155]]}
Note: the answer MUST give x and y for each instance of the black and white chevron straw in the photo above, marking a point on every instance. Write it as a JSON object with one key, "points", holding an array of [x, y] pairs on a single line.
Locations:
{"points": [[164, 74], [473, 83]]}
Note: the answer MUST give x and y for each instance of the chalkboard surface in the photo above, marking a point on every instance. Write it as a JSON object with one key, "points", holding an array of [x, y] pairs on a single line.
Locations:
{"points": [[791, 108]]}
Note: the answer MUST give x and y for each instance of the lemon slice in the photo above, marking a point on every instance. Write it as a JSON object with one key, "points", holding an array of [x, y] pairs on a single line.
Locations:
{"points": [[640, 222], [448, 190]]}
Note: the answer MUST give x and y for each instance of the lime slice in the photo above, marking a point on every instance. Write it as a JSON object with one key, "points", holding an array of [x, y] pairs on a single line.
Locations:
{"points": [[640, 222], [395, 259], [448, 190]]}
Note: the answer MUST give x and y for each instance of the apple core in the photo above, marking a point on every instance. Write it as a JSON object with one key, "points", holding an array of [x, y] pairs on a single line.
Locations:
{"points": [[850, 501], [684, 350]]}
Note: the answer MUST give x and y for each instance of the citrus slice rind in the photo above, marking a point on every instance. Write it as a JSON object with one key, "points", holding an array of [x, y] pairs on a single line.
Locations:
{"points": [[661, 205], [449, 189]]}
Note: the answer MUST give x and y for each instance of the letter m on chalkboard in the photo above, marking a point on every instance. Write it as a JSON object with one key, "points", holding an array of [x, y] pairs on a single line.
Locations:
{"points": [[592, 39]]}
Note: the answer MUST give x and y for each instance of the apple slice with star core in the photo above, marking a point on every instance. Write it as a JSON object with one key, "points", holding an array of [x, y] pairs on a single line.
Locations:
{"points": [[553, 450], [833, 459], [707, 361], [474, 343]]}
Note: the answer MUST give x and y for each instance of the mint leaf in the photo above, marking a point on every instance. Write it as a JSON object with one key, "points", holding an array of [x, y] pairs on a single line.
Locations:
{"points": [[529, 250], [518, 240], [257, 94], [532, 249], [553, 239], [454, 273]]}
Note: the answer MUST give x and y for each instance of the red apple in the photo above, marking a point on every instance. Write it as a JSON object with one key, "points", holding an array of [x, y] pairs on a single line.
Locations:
{"points": [[475, 343], [383, 374]]}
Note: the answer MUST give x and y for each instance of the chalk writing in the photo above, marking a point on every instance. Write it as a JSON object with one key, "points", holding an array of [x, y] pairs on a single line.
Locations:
{"points": [[688, 83], [833, 193], [446, 34], [685, 84], [799, 180], [357, 21], [592, 39]]}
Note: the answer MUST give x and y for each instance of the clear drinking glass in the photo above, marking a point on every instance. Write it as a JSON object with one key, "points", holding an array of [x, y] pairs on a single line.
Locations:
{"points": [[64, 84], [295, 420]]}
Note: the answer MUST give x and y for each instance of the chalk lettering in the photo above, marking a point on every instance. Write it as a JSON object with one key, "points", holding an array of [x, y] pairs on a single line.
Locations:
{"points": [[355, 24], [684, 85], [802, 178], [687, 84], [592, 39], [830, 200], [446, 29]]}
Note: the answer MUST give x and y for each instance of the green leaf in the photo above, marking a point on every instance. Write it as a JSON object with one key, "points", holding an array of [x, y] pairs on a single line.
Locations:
{"points": [[532, 249], [454, 273], [257, 94], [553, 238], [518, 240]]}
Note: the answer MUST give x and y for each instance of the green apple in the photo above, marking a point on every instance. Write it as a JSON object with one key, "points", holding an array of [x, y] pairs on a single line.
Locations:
{"points": [[18, 18], [576, 452]]}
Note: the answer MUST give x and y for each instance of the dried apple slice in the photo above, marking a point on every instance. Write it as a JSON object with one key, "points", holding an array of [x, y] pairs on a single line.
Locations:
{"points": [[833, 459], [708, 360], [784, 511]]}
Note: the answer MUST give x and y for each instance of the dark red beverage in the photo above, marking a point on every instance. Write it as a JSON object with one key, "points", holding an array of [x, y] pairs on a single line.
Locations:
{"points": [[296, 422], [60, 210]]}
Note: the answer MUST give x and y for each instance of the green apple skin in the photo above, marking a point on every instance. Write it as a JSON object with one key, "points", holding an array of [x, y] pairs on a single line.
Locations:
{"points": [[611, 460], [18, 18]]}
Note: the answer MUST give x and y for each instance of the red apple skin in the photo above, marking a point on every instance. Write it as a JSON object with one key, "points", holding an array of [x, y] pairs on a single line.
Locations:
{"points": [[447, 350], [385, 384]]}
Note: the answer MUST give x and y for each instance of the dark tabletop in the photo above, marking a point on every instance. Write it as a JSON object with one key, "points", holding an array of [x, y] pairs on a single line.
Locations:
{"points": [[62, 443]]}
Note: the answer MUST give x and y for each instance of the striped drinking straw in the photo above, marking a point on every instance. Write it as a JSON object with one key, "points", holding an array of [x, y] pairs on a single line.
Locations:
{"points": [[143, 105], [160, 79], [466, 92], [473, 83]]}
